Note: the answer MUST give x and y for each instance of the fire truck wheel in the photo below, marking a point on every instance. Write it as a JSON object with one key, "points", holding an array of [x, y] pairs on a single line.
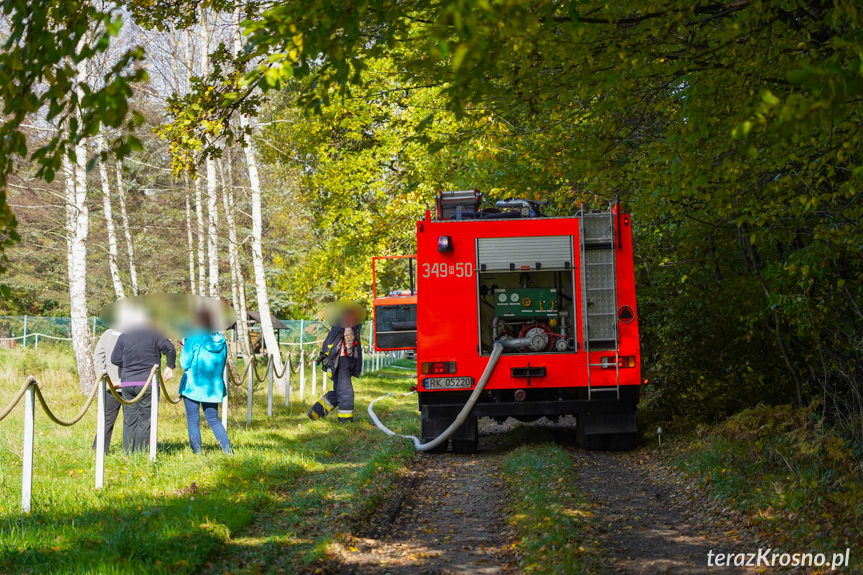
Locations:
{"points": [[588, 434], [440, 448], [465, 445], [621, 441]]}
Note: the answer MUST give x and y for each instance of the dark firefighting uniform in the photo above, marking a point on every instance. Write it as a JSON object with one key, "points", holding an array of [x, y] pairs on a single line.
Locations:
{"points": [[343, 359]]}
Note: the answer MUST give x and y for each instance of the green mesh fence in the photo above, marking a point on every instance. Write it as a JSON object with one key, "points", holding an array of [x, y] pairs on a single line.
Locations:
{"points": [[35, 330]]}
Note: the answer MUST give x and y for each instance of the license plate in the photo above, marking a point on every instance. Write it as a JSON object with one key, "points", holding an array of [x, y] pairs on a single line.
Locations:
{"points": [[448, 382]]}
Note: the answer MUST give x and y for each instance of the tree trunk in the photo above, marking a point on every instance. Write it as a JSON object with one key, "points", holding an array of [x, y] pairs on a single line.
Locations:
{"points": [[190, 240], [232, 256], [212, 184], [258, 254], [238, 292], [78, 224], [127, 232], [202, 250], [257, 230], [109, 220]]}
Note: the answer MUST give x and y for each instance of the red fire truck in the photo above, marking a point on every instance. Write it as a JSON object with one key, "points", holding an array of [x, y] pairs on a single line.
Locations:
{"points": [[557, 293]]}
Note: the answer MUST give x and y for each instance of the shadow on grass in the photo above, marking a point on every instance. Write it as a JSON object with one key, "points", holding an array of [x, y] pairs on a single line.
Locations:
{"points": [[170, 533]]}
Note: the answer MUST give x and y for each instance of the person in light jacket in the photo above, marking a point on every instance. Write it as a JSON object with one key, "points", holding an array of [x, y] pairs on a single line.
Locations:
{"points": [[101, 360], [203, 385]]}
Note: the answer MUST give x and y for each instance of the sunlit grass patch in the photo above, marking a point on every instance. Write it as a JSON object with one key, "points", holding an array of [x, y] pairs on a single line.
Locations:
{"points": [[550, 517], [291, 485]]}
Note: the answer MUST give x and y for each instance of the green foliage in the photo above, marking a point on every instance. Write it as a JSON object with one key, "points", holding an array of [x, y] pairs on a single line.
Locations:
{"points": [[38, 81], [731, 133], [798, 482]]}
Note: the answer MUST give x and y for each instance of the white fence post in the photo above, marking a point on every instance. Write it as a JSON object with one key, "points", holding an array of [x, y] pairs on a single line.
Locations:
{"points": [[302, 373], [27, 463], [288, 379], [270, 376], [225, 399], [314, 379], [100, 435], [302, 359], [24, 341], [37, 341], [250, 386], [154, 415]]}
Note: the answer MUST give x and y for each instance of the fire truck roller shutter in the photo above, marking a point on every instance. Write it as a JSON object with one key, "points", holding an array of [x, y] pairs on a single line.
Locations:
{"points": [[531, 252]]}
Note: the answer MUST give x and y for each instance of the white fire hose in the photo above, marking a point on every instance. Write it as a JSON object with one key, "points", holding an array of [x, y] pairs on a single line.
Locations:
{"points": [[462, 416]]}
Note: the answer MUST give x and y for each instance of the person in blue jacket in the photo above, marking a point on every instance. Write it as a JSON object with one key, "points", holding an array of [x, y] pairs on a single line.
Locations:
{"points": [[203, 386]]}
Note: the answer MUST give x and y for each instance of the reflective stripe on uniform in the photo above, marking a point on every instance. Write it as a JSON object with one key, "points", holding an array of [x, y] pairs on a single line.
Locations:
{"points": [[346, 413]]}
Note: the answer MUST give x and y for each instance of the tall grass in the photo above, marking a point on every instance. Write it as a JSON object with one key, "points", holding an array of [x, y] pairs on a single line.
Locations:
{"points": [[290, 481], [797, 480]]}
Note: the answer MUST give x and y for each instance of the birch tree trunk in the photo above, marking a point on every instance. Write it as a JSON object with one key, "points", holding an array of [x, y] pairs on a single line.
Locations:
{"points": [[78, 228], [202, 250], [257, 230], [212, 184], [127, 232], [235, 296], [190, 240], [109, 220], [238, 292]]}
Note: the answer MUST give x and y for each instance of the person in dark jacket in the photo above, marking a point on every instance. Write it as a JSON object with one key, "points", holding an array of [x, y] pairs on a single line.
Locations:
{"points": [[101, 360], [136, 352], [342, 355]]}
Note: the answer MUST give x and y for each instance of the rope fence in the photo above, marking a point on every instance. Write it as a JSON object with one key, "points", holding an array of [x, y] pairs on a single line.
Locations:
{"points": [[31, 392]]}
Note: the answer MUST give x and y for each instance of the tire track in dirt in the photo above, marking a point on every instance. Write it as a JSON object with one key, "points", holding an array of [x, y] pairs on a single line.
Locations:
{"points": [[449, 523], [649, 520]]}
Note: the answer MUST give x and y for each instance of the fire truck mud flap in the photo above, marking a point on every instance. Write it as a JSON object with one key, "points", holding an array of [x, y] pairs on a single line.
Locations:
{"points": [[607, 431]]}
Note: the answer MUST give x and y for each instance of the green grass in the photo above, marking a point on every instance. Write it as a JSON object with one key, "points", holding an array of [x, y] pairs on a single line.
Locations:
{"points": [[549, 515], [290, 488], [796, 480]]}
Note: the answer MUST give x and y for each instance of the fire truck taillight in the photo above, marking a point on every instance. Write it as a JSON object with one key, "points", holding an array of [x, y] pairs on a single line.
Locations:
{"points": [[438, 367], [623, 361], [444, 244]]}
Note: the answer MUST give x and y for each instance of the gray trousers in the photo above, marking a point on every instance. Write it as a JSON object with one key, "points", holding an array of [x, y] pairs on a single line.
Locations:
{"points": [[136, 419], [112, 410]]}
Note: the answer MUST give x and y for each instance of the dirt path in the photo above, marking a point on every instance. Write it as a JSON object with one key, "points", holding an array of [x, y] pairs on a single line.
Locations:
{"points": [[448, 519], [449, 523], [651, 522]]}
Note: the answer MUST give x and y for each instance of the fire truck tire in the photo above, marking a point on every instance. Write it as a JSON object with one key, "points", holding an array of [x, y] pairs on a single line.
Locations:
{"points": [[439, 449], [465, 445], [468, 440], [605, 431]]}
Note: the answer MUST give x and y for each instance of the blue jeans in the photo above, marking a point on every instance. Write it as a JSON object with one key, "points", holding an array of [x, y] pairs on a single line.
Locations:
{"points": [[211, 414]]}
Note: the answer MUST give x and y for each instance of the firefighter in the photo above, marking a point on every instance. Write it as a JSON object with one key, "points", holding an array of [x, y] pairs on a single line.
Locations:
{"points": [[341, 355]]}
